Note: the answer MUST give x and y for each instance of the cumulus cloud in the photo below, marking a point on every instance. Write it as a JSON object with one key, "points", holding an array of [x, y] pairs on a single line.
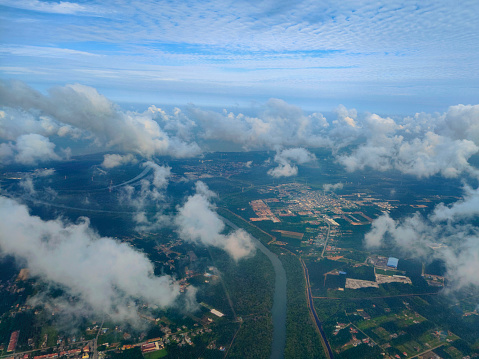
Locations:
{"points": [[457, 245], [115, 160], [346, 117], [379, 228], [442, 235], [277, 124], [105, 277], [423, 155], [286, 160], [461, 122], [466, 208], [34, 148], [84, 109], [17, 122], [422, 145], [328, 187], [29, 149], [198, 222]]}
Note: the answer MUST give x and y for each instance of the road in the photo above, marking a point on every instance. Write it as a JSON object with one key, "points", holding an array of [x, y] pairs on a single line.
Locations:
{"points": [[133, 180], [95, 341], [380, 297], [324, 340], [424, 352], [327, 238]]}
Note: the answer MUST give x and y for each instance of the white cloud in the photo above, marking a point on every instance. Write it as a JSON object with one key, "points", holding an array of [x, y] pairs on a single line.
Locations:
{"points": [[38, 51], [435, 154], [43, 172], [198, 222], [318, 50], [286, 160], [28, 186], [379, 228], [346, 117], [423, 145], [62, 7], [15, 122], [151, 192], [115, 160], [277, 124], [447, 229], [104, 276], [30, 150], [148, 200], [460, 122], [84, 109], [327, 187], [418, 147], [6, 153], [466, 208]]}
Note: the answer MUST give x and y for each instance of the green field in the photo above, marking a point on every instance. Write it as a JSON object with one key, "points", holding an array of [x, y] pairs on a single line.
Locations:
{"points": [[156, 355]]}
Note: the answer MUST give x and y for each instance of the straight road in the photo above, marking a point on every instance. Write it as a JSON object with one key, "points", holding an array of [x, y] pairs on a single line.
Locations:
{"points": [[327, 348], [380, 297], [327, 238]]}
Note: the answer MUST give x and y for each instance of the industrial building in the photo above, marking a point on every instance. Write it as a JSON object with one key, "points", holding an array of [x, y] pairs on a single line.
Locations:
{"points": [[393, 262]]}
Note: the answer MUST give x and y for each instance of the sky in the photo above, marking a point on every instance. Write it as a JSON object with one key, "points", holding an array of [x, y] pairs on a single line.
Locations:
{"points": [[393, 57]]}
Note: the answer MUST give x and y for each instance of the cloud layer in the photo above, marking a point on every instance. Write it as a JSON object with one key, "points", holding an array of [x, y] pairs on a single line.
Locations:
{"points": [[318, 51], [80, 111], [277, 124], [422, 145]]}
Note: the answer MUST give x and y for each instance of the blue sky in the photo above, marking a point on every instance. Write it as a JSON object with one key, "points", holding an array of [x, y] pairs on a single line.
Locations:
{"points": [[383, 56]]}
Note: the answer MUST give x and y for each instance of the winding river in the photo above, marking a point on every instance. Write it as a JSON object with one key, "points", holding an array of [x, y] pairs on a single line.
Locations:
{"points": [[279, 299]]}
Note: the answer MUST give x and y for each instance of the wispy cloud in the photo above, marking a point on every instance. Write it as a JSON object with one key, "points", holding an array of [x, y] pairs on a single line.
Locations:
{"points": [[17, 70], [39, 51], [305, 48], [61, 7]]}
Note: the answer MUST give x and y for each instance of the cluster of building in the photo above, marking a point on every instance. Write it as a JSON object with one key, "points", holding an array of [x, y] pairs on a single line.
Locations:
{"points": [[69, 353], [73, 353], [354, 341], [152, 346], [263, 212], [210, 168], [354, 218], [383, 262], [301, 200], [13, 341]]}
